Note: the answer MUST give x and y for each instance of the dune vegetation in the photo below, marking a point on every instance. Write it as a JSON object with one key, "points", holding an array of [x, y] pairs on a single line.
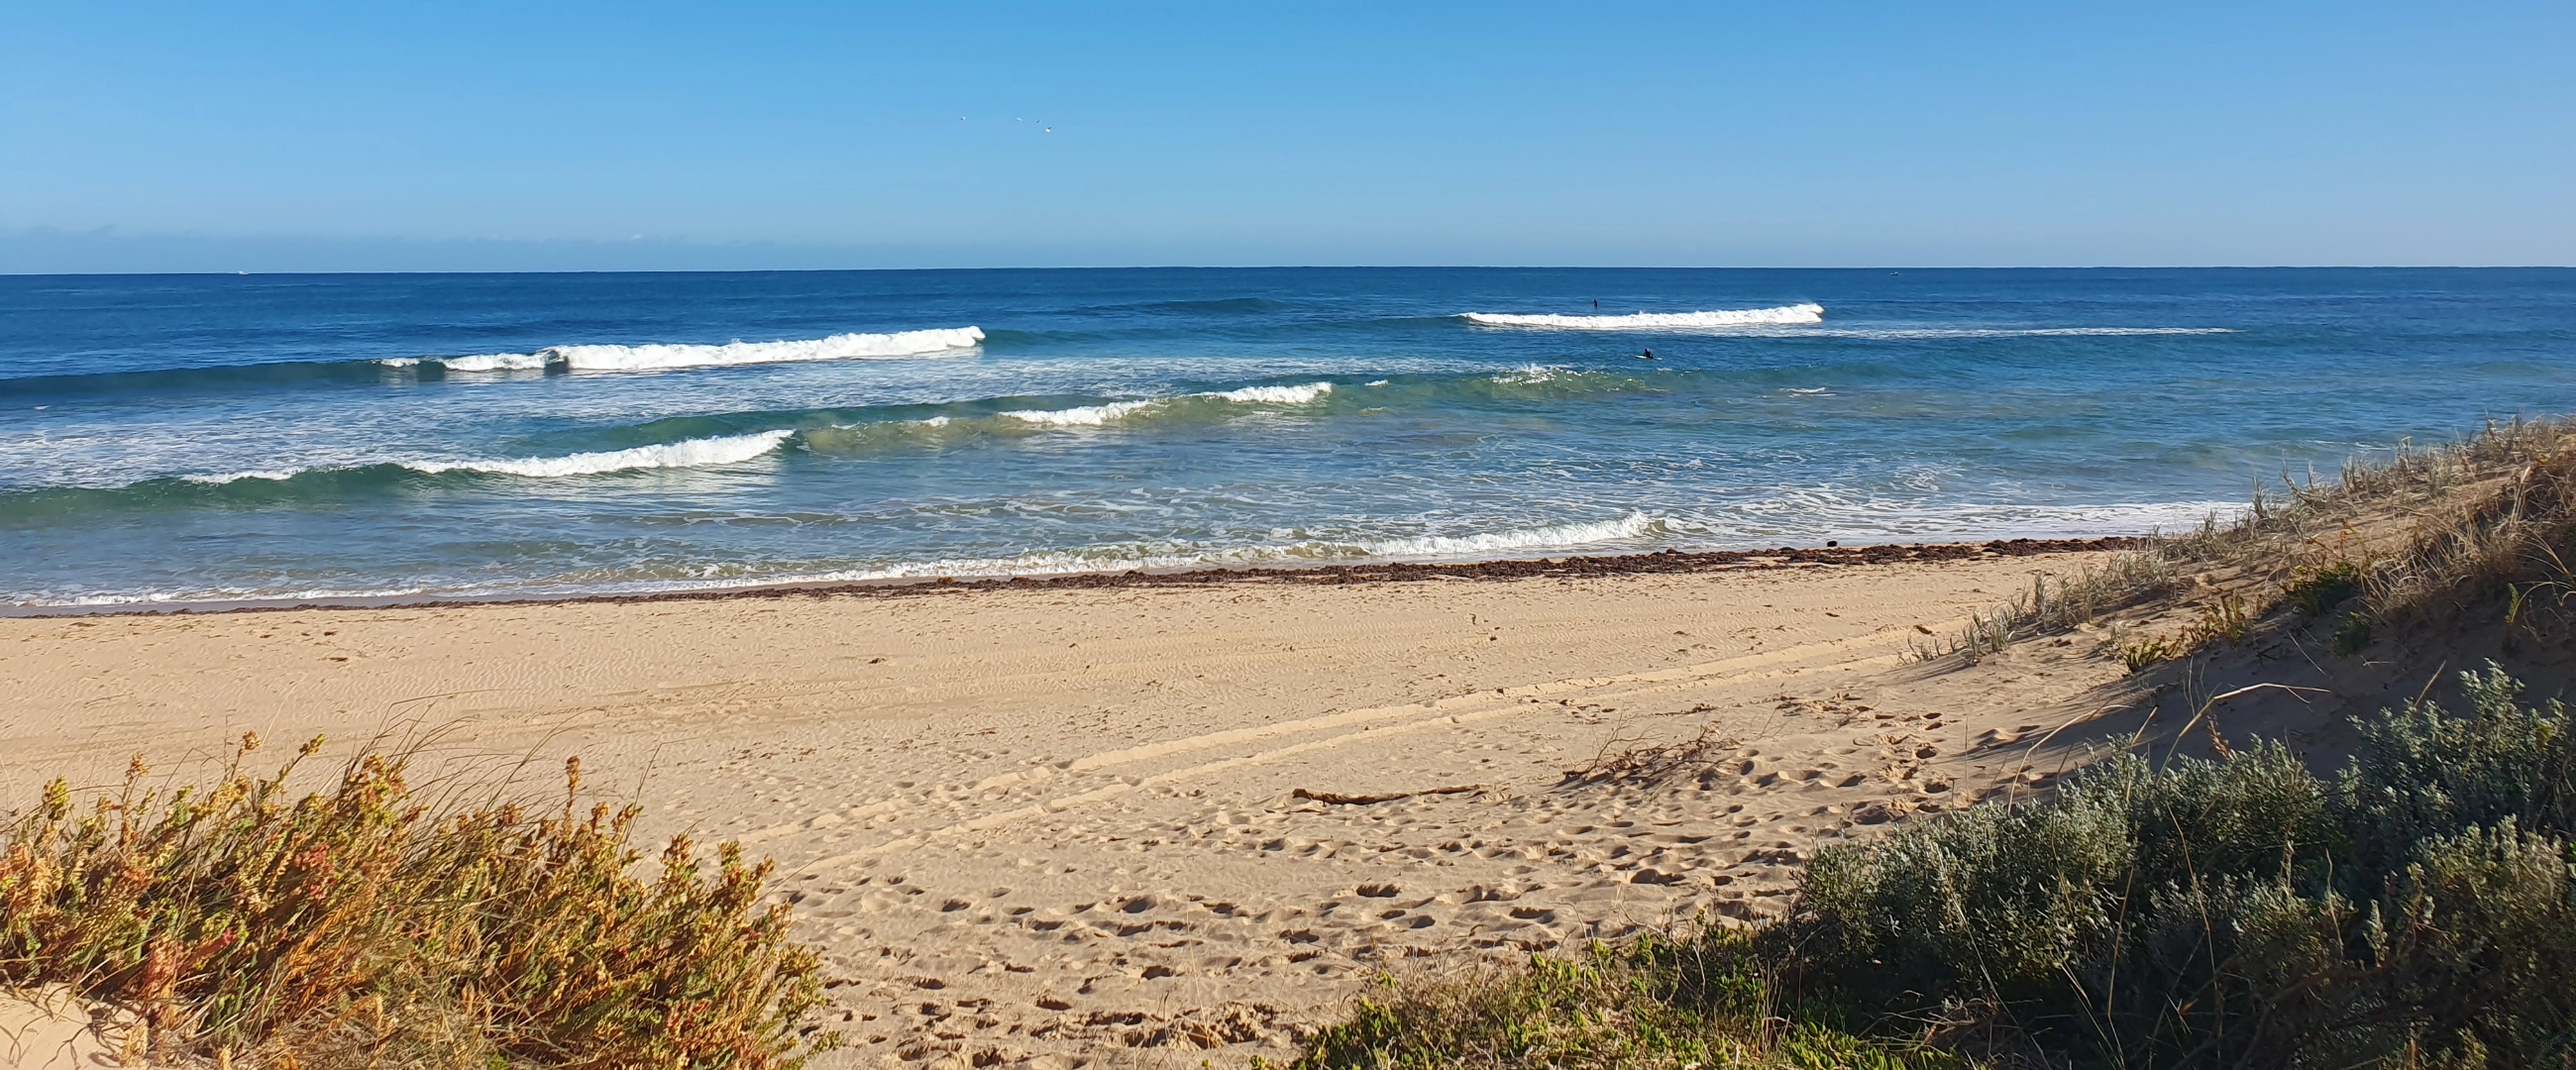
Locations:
{"points": [[379, 923], [2413, 906]]}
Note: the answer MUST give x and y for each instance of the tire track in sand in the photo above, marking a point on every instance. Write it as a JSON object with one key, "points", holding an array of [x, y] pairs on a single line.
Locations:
{"points": [[1438, 713]]}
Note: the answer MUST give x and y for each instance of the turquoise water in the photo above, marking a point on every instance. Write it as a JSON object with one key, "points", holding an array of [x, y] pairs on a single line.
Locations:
{"points": [[175, 439]]}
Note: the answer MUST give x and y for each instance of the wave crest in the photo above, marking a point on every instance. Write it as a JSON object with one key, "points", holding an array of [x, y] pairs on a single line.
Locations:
{"points": [[1654, 321], [692, 453], [668, 356], [1303, 394], [486, 362], [1083, 416], [1111, 412], [689, 453]]}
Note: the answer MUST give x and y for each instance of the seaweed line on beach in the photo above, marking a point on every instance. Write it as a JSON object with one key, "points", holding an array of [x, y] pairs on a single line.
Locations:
{"points": [[1573, 567]]}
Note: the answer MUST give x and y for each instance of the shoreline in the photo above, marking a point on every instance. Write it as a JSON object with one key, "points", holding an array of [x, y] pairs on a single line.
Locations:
{"points": [[1590, 566]]}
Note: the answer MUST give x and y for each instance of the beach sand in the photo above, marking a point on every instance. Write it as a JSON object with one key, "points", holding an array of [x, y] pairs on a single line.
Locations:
{"points": [[1122, 824]]}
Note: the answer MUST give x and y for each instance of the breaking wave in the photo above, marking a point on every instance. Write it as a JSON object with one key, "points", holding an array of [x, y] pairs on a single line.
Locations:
{"points": [[488, 362], [665, 357], [693, 453], [1111, 412], [1784, 315]]}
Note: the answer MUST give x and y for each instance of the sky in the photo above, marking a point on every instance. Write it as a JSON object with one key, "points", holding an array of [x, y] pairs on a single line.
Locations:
{"points": [[466, 135]]}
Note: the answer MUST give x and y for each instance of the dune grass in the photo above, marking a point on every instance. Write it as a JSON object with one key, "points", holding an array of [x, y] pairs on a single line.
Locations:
{"points": [[2480, 525], [2418, 910], [2425, 538], [373, 924]]}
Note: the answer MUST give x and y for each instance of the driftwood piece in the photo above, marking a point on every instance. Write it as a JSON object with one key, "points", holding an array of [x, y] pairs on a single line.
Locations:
{"points": [[1645, 763], [1363, 800]]}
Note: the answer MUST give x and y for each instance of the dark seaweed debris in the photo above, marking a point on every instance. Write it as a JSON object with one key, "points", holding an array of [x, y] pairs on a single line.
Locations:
{"points": [[1661, 561]]}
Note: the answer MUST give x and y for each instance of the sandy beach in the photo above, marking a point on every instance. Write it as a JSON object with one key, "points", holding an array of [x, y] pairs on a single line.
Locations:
{"points": [[1121, 824], [964, 536]]}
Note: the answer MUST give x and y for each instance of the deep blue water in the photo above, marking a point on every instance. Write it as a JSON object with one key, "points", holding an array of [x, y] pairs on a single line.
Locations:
{"points": [[190, 438]]}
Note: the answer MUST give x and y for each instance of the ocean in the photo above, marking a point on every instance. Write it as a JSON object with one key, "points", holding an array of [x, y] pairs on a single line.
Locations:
{"points": [[176, 440]]}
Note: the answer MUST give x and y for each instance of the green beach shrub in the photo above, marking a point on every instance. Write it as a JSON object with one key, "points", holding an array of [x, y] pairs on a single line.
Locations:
{"points": [[2418, 910], [2130, 885], [1704, 1000], [2316, 590], [2421, 773]]}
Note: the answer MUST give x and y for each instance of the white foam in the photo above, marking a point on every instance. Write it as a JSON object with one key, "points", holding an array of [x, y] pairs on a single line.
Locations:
{"points": [[1112, 412], [1630, 526], [1532, 374], [664, 357], [265, 473], [836, 347], [693, 453], [222, 595], [1818, 513], [1275, 395], [1085, 416], [485, 362], [1182, 557], [497, 362], [1659, 321]]}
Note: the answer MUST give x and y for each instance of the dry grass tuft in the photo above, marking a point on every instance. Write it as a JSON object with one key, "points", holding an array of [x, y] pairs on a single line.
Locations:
{"points": [[2126, 580], [367, 925], [2420, 538], [2423, 537]]}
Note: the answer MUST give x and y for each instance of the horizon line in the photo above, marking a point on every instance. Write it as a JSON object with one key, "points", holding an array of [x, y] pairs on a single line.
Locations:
{"points": [[1320, 267]]}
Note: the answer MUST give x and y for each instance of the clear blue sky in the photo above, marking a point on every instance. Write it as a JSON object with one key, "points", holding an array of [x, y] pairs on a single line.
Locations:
{"points": [[463, 134]]}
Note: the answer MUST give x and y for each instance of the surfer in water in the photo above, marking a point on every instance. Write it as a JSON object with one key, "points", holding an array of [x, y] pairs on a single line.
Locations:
{"points": [[1648, 355]]}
